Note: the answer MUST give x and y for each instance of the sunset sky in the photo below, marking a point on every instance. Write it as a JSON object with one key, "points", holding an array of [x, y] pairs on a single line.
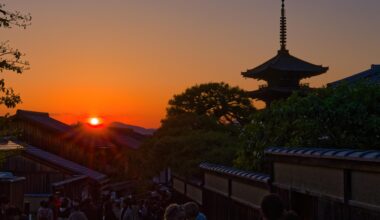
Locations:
{"points": [[123, 60]]}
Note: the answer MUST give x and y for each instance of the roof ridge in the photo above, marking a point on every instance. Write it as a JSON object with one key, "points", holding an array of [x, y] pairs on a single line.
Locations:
{"points": [[251, 175], [21, 111], [335, 153], [70, 165]]}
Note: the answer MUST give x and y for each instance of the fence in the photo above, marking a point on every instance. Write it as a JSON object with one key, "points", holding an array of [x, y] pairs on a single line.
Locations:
{"points": [[319, 184], [226, 193]]}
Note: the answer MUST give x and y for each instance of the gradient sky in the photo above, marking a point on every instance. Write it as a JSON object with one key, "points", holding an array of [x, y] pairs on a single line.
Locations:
{"points": [[124, 60]]}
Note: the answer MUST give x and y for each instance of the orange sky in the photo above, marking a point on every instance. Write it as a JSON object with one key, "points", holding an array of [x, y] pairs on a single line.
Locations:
{"points": [[124, 60]]}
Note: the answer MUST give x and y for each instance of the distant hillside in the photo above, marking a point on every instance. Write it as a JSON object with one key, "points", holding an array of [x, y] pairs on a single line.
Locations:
{"points": [[138, 129]]}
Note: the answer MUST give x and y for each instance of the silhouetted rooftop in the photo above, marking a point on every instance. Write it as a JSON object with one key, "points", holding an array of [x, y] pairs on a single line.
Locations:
{"points": [[371, 75], [43, 119], [326, 153], [284, 63], [64, 163], [235, 172], [124, 139]]}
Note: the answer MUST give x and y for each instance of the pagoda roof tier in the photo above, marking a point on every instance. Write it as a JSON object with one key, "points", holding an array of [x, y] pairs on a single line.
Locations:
{"points": [[267, 92], [284, 63], [271, 93]]}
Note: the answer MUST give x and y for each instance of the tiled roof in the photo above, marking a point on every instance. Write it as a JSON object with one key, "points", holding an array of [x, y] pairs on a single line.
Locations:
{"points": [[285, 63], [71, 180], [61, 162], [43, 119], [235, 172], [372, 75], [345, 154]]}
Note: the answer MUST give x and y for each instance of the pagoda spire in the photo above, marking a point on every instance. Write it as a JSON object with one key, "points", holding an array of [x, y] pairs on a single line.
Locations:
{"points": [[283, 27], [283, 72]]}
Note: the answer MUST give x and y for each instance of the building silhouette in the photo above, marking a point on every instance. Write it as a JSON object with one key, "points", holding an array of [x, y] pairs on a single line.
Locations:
{"points": [[371, 75], [283, 72]]}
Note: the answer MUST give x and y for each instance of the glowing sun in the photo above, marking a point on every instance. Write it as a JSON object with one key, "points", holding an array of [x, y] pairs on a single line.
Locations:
{"points": [[94, 121]]}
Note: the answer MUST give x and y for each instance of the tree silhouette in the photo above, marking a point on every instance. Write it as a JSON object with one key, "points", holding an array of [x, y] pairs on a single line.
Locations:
{"points": [[185, 140], [347, 116], [200, 125], [227, 104], [11, 59]]}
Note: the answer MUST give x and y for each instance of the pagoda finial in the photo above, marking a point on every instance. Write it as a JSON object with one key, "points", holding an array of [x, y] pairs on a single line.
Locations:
{"points": [[283, 27]]}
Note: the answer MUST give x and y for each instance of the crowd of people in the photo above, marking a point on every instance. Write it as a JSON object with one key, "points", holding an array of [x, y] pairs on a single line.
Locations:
{"points": [[148, 207], [154, 206], [187, 211], [9, 212], [272, 208], [64, 208]]}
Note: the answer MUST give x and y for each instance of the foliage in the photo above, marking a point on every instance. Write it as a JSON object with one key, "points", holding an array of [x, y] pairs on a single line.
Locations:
{"points": [[10, 58], [9, 132], [202, 124], [220, 100], [6, 130], [185, 140], [347, 116], [13, 18]]}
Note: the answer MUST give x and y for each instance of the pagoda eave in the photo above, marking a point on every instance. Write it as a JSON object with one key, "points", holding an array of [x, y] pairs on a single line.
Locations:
{"points": [[283, 72], [271, 73], [276, 92], [285, 64]]}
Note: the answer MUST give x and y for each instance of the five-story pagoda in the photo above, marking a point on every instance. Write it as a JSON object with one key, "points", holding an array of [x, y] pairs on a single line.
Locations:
{"points": [[283, 72]]}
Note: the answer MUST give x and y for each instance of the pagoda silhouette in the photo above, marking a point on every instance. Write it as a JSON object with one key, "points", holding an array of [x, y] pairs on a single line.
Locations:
{"points": [[283, 72]]}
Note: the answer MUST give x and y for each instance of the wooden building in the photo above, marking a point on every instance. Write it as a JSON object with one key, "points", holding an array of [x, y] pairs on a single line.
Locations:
{"points": [[104, 149], [318, 183], [42, 173], [283, 72], [226, 193], [42, 169], [39, 129], [327, 184], [46, 173], [12, 187], [371, 75]]}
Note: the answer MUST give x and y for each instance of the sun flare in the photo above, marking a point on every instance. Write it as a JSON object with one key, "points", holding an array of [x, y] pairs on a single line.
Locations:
{"points": [[94, 121]]}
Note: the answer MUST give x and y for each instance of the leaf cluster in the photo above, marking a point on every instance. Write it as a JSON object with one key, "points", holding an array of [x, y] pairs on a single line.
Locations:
{"points": [[11, 59], [347, 116], [184, 141], [202, 124], [13, 18], [227, 104]]}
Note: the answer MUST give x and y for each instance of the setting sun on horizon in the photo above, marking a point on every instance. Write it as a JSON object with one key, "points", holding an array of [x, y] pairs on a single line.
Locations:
{"points": [[126, 59], [202, 109], [95, 121]]}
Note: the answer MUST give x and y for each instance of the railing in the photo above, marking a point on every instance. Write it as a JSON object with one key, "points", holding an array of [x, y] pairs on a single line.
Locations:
{"points": [[263, 86], [301, 85]]}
